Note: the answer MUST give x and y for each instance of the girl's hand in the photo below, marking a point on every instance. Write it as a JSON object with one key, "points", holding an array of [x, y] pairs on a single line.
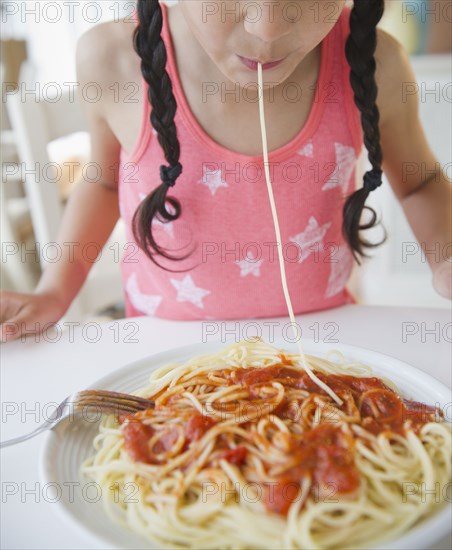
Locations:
{"points": [[442, 278], [27, 313]]}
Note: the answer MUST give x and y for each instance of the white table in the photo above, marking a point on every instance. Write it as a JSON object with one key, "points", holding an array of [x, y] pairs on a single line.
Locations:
{"points": [[36, 374]]}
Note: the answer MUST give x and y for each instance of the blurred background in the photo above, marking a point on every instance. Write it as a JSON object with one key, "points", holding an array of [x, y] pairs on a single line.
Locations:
{"points": [[44, 145]]}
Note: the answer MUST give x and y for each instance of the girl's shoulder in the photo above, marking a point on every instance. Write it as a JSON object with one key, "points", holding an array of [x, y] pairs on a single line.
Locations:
{"points": [[110, 84], [402, 137], [394, 74], [105, 53]]}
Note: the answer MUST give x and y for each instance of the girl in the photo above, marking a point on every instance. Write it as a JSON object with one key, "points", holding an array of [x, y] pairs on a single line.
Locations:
{"points": [[190, 183]]}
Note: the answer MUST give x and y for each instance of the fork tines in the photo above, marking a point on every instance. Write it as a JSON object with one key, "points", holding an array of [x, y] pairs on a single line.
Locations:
{"points": [[112, 402]]}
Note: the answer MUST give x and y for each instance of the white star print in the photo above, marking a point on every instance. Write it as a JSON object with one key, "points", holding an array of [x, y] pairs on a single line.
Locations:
{"points": [[212, 179], [312, 235], [307, 150], [142, 302], [341, 267], [187, 291], [250, 266], [345, 162], [167, 226]]}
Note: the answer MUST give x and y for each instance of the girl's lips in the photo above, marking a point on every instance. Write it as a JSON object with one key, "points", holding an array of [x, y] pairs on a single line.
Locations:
{"points": [[252, 64]]}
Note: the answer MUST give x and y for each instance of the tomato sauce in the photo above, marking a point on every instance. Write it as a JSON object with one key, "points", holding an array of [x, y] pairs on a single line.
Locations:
{"points": [[250, 377], [234, 456], [197, 426], [381, 408], [324, 453], [136, 438]]}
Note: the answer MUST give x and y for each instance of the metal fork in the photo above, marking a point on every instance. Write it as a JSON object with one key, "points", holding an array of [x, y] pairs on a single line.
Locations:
{"points": [[107, 402]]}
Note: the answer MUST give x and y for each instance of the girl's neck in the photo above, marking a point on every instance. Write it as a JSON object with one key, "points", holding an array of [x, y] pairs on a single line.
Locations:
{"points": [[239, 116]]}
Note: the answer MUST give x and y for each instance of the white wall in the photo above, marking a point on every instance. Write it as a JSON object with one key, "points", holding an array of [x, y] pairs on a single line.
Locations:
{"points": [[52, 29]]}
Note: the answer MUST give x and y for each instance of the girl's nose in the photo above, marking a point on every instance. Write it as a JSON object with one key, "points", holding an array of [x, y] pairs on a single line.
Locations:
{"points": [[268, 21]]}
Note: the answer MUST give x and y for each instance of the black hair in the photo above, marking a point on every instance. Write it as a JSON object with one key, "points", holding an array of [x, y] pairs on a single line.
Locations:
{"points": [[360, 49], [149, 45]]}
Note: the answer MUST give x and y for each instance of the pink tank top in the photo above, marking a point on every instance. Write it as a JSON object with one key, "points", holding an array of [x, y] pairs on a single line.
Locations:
{"points": [[234, 272]]}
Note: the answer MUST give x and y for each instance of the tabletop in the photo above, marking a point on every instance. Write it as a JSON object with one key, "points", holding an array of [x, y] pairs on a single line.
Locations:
{"points": [[40, 371]]}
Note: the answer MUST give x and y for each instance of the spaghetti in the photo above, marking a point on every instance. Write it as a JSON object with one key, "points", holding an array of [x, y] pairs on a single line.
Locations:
{"points": [[244, 450]]}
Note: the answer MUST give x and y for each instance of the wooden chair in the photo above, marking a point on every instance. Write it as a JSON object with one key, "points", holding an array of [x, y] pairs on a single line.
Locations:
{"points": [[16, 271], [36, 123]]}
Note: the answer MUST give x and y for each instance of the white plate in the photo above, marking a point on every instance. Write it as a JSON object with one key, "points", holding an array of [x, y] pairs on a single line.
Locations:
{"points": [[66, 447]]}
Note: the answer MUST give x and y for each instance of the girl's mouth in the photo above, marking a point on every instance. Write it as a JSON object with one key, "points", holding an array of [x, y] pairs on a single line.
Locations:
{"points": [[252, 63]]}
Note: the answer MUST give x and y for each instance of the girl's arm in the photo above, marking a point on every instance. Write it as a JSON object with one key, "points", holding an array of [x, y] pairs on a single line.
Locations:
{"points": [[90, 216], [414, 172]]}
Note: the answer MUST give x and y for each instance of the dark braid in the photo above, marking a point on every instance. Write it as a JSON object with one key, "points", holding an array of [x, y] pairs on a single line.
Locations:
{"points": [[150, 47], [360, 49]]}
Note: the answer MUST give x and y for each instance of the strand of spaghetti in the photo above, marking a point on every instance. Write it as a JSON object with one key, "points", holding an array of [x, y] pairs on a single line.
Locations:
{"points": [[282, 268]]}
